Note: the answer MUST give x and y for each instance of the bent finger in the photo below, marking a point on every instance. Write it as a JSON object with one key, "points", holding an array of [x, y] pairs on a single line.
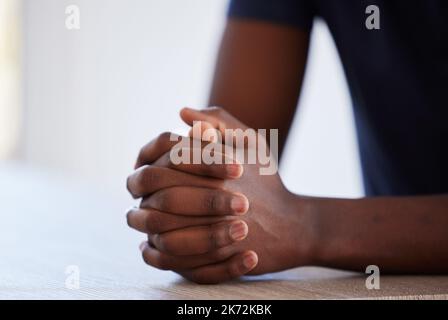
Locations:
{"points": [[149, 179], [154, 222], [195, 201], [201, 239], [163, 261], [212, 160], [235, 267]]}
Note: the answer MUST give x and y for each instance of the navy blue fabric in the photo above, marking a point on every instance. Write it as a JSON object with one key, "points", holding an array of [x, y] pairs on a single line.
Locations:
{"points": [[398, 80], [298, 13]]}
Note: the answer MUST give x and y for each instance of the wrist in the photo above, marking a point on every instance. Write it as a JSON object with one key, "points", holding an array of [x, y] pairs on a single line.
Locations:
{"points": [[329, 225], [306, 230]]}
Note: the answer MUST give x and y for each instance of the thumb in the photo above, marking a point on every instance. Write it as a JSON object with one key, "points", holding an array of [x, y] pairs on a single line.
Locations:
{"points": [[219, 118], [203, 130]]}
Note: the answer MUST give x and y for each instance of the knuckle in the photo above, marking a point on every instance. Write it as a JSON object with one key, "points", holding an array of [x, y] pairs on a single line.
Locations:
{"points": [[159, 261], [163, 139], [164, 136], [164, 244], [146, 258], [161, 200], [130, 187], [128, 217], [171, 246], [153, 222], [141, 153], [213, 237], [139, 159], [149, 176], [213, 201], [163, 262]]}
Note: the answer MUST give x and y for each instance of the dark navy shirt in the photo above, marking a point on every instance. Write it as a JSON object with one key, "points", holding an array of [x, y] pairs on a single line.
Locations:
{"points": [[398, 80]]}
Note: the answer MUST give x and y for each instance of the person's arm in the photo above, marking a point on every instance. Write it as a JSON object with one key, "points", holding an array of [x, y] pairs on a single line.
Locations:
{"points": [[259, 73], [189, 220], [398, 234]]}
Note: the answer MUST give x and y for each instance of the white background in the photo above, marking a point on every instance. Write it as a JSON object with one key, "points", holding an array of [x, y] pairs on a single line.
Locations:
{"points": [[94, 96]]}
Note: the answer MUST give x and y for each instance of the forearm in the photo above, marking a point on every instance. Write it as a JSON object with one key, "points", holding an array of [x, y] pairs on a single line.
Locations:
{"points": [[398, 234], [259, 74]]}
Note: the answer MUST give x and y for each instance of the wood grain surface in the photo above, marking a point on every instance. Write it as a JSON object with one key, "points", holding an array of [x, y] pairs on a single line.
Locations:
{"points": [[50, 222]]}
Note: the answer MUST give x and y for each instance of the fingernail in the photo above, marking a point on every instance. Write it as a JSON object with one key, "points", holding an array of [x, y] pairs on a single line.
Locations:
{"points": [[234, 170], [142, 246], [250, 261], [238, 230], [239, 204]]}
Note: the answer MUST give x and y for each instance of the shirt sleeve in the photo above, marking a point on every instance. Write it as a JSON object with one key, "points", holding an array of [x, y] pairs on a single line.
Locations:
{"points": [[299, 13]]}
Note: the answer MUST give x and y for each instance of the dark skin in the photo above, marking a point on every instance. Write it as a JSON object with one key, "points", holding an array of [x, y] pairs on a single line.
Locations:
{"points": [[196, 229]]}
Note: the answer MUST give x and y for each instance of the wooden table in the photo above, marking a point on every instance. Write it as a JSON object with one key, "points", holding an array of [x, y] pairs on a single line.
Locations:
{"points": [[49, 223]]}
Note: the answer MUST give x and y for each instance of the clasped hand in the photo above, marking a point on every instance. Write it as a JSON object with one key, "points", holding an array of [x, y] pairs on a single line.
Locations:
{"points": [[214, 222]]}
